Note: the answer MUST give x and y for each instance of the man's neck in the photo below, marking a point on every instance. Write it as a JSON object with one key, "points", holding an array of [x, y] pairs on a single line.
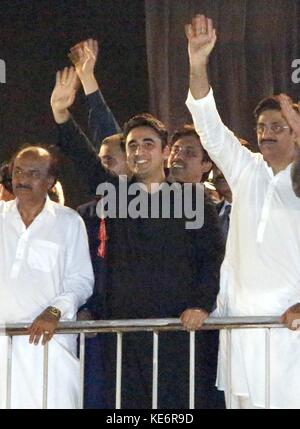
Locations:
{"points": [[280, 167], [148, 181], [29, 211]]}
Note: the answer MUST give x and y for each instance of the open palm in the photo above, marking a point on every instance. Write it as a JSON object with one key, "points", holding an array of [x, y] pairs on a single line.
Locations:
{"points": [[64, 92], [201, 37]]}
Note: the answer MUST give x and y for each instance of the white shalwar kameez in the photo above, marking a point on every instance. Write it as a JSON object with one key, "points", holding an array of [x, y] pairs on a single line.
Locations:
{"points": [[260, 275], [46, 264]]}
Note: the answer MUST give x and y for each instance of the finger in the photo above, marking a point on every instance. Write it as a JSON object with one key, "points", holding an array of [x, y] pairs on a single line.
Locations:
{"points": [[37, 338], [58, 78], [35, 335], [70, 76], [202, 23], [214, 36], [196, 25], [80, 51], [188, 31], [85, 45], [90, 43], [47, 335], [76, 47], [95, 47], [64, 76], [210, 29], [32, 335], [296, 324], [75, 82], [71, 99]]}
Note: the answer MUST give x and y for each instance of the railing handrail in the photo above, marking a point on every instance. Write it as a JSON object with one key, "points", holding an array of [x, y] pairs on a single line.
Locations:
{"points": [[135, 325]]}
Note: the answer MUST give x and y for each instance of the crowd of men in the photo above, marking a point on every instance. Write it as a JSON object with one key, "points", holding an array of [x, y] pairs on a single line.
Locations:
{"points": [[126, 263]]}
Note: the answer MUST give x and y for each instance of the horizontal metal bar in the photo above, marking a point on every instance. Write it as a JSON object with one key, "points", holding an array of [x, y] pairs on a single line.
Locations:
{"points": [[135, 325]]}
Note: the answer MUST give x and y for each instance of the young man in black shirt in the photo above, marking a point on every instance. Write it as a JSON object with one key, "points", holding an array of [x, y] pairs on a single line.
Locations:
{"points": [[156, 268]]}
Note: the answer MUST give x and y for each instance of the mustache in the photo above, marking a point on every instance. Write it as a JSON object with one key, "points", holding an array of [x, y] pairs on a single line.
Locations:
{"points": [[268, 141], [20, 186]]}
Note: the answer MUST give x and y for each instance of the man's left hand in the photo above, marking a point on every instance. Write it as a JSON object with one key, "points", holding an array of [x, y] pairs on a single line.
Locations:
{"points": [[43, 326], [193, 318], [291, 318]]}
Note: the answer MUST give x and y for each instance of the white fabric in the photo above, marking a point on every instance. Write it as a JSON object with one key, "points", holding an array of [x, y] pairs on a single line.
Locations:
{"points": [[240, 403], [45, 264], [260, 274]]}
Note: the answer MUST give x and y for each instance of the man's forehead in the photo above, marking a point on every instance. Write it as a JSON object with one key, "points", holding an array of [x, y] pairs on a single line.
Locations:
{"points": [[111, 148], [191, 141], [271, 116], [34, 159], [143, 132]]}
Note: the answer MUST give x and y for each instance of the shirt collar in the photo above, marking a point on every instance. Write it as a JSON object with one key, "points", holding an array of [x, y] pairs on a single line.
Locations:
{"points": [[49, 207]]}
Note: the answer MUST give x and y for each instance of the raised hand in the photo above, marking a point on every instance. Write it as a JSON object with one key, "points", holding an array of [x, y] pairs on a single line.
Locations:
{"points": [[63, 94], [201, 39], [84, 56], [290, 114]]}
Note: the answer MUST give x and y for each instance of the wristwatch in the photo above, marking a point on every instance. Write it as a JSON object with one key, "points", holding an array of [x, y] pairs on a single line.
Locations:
{"points": [[54, 311]]}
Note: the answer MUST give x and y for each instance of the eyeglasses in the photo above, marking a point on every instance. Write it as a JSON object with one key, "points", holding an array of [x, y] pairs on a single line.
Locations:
{"points": [[275, 128]]}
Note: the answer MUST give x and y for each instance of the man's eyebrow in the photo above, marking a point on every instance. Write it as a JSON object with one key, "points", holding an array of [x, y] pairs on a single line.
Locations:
{"points": [[146, 139]]}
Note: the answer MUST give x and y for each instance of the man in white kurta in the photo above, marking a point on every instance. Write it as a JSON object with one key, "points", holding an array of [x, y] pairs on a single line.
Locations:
{"points": [[260, 275], [44, 263]]}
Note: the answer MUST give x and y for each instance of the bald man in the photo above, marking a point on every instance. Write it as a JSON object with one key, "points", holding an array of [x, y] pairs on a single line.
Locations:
{"points": [[45, 275]]}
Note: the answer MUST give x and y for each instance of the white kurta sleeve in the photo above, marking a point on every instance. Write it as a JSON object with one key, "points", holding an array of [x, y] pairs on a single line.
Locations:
{"points": [[78, 280], [221, 144]]}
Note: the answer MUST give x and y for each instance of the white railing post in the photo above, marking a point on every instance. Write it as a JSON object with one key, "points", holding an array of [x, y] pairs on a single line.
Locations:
{"points": [[8, 372], [81, 360], [155, 370], [119, 371], [267, 369], [228, 372], [45, 375], [192, 370]]}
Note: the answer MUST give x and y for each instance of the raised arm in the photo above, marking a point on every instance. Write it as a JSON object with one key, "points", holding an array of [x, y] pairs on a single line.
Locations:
{"points": [[201, 40], [293, 119], [102, 122], [222, 146], [84, 56], [72, 141]]}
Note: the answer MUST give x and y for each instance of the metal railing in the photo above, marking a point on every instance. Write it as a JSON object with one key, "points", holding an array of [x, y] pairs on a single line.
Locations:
{"points": [[135, 325]]}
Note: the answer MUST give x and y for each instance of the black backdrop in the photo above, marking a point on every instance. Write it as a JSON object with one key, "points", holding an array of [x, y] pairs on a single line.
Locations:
{"points": [[35, 37]]}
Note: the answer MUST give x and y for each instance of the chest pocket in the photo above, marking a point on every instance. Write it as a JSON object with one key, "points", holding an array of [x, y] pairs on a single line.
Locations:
{"points": [[43, 255]]}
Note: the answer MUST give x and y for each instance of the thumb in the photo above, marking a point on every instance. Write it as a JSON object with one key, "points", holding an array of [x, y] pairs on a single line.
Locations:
{"points": [[188, 30]]}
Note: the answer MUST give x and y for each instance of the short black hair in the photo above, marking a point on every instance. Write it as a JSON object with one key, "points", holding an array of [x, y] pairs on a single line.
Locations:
{"points": [[186, 131], [147, 120], [270, 103], [5, 177]]}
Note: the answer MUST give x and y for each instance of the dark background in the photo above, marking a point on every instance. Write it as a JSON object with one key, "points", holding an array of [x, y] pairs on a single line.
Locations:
{"points": [[35, 39]]}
